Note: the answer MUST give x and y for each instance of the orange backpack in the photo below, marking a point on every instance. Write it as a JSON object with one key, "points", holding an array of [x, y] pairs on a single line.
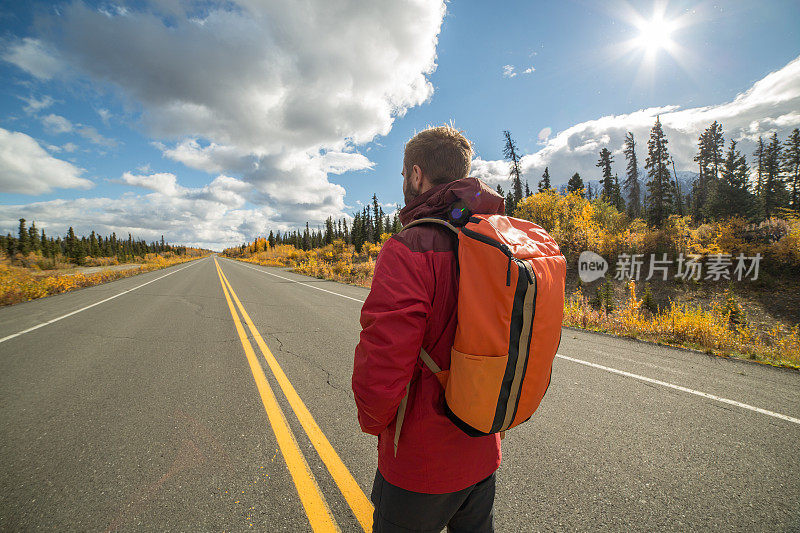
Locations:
{"points": [[510, 308]]}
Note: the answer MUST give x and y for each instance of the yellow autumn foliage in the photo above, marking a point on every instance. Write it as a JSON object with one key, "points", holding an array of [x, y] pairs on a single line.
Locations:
{"points": [[690, 326], [19, 284]]}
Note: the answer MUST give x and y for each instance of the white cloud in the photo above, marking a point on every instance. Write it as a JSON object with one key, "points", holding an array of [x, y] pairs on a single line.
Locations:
{"points": [[57, 124], [770, 105], [34, 105], [69, 147], [89, 132], [193, 222], [529, 70], [105, 115], [241, 88], [508, 71], [209, 216], [25, 167], [492, 172], [544, 134], [34, 57], [162, 182]]}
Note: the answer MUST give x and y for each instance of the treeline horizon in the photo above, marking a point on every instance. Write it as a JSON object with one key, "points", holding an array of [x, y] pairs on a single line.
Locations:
{"points": [[76, 249], [368, 225], [726, 187]]}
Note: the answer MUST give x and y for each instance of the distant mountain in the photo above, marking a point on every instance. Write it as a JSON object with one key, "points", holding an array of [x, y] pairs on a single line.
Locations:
{"points": [[686, 179]]}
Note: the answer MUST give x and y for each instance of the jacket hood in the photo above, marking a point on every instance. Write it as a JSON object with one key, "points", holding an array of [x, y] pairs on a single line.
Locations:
{"points": [[478, 197]]}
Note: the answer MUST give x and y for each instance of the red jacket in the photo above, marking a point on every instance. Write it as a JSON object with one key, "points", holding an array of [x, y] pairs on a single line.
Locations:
{"points": [[412, 304]]}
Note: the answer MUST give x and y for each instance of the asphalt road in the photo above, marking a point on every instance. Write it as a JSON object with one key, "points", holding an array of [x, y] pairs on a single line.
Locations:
{"points": [[146, 413]]}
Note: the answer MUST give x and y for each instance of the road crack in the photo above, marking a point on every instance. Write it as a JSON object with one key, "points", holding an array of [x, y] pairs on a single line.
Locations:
{"points": [[312, 363]]}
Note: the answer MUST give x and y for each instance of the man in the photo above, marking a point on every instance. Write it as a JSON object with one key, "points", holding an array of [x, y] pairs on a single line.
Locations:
{"points": [[435, 475]]}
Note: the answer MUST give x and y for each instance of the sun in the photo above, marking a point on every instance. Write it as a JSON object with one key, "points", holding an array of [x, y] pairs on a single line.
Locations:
{"points": [[655, 34]]}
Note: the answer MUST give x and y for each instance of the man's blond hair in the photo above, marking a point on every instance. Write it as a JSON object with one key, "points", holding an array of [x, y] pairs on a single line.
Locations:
{"points": [[443, 154]]}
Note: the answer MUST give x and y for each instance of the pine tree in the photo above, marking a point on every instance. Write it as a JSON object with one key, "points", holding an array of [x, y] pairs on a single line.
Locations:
{"points": [[271, 239], [378, 218], [616, 196], [790, 164], [500, 191], [759, 153], [511, 153], [659, 197], [94, 247], [677, 195], [306, 245], [709, 157], [608, 182], [632, 186], [774, 193], [33, 241], [527, 189], [329, 230], [510, 204], [731, 197], [22, 240], [544, 183], [575, 184]]}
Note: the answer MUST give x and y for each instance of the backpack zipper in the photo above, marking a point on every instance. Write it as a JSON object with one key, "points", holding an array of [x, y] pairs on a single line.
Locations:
{"points": [[491, 242]]}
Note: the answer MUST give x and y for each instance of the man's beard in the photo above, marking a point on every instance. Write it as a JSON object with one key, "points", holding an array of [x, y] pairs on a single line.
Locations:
{"points": [[408, 192]]}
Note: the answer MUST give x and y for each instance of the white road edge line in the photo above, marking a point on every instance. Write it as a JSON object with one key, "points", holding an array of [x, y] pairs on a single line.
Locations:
{"points": [[682, 389], [601, 367], [8, 337], [299, 282]]}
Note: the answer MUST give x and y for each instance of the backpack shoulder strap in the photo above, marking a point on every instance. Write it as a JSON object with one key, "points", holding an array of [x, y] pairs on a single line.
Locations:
{"points": [[432, 221]]}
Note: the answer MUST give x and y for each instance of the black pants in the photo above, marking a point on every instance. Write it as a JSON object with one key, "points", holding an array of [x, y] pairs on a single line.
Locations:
{"points": [[398, 510]]}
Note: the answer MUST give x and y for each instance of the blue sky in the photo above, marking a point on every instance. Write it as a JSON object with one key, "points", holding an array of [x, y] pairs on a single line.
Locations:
{"points": [[211, 123]]}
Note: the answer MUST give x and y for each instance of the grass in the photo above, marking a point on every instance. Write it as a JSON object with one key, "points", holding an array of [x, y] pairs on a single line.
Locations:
{"points": [[20, 284]]}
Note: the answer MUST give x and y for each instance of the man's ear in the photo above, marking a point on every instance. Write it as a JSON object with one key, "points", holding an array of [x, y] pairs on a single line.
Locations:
{"points": [[417, 178]]}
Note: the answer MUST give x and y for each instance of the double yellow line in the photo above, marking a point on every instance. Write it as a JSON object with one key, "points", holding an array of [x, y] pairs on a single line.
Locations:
{"points": [[319, 514]]}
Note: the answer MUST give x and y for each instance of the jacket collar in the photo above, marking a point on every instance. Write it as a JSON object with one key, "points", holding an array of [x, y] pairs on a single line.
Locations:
{"points": [[478, 197]]}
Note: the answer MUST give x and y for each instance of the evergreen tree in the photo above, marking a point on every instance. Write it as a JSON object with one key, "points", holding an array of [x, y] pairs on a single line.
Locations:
{"points": [[575, 184], [527, 189], [632, 186], [544, 183], [306, 239], [731, 197], [709, 157], [676, 189], [759, 154], [608, 181], [329, 230], [659, 197], [22, 240], [511, 153], [44, 244], [94, 247], [774, 193], [378, 218], [500, 191], [790, 165], [33, 238], [510, 204], [271, 239], [616, 196]]}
